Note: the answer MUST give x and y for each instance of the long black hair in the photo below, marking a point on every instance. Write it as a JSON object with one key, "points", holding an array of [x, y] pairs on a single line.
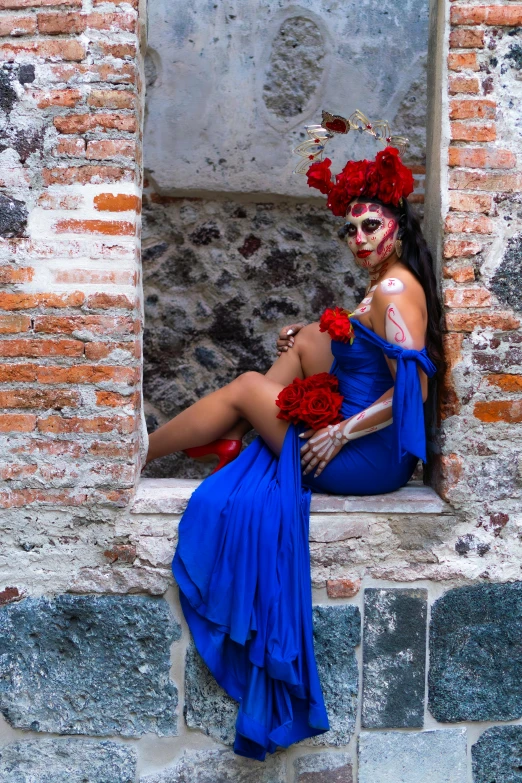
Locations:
{"points": [[417, 256]]}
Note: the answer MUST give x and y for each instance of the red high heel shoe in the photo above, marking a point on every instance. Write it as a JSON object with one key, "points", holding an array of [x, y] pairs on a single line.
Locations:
{"points": [[224, 448]]}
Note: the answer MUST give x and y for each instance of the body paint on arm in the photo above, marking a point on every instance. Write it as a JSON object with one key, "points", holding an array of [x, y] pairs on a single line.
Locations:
{"points": [[395, 328]]}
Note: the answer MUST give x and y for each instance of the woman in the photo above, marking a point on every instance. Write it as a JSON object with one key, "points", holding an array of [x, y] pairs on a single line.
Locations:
{"points": [[242, 562]]}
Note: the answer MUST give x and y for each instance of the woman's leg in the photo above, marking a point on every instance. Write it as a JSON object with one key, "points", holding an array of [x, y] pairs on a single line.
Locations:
{"points": [[251, 396]]}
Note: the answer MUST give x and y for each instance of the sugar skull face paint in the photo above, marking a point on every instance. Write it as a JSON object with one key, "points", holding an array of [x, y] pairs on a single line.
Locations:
{"points": [[371, 231]]}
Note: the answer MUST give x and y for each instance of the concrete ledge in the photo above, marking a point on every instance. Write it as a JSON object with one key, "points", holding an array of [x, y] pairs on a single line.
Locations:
{"points": [[170, 496]]}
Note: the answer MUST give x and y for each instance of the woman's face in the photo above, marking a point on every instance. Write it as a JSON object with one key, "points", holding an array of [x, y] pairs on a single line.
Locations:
{"points": [[371, 233]]}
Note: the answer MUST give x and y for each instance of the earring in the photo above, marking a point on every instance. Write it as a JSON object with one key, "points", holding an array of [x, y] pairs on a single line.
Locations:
{"points": [[398, 247]]}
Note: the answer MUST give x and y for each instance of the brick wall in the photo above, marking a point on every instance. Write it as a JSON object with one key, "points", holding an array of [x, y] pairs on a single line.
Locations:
{"points": [[479, 469], [70, 193]]}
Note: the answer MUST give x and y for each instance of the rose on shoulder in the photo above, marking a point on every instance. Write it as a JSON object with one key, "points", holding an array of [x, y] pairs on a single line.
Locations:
{"points": [[337, 323], [315, 401]]}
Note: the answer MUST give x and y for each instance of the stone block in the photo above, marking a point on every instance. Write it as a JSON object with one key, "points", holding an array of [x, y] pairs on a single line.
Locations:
{"points": [[94, 665], [476, 654], [337, 631], [394, 657], [67, 761], [405, 757], [323, 768], [231, 88], [13, 217], [218, 766], [207, 706], [497, 755]]}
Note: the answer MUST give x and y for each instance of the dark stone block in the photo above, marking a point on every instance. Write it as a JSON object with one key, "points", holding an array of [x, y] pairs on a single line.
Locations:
{"points": [[207, 706], [476, 654], [337, 631], [506, 282], [13, 217], [67, 761], [394, 655], [26, 74], [8, 96], [88, 665], [323, 768], [220, 766], [497, 756]]}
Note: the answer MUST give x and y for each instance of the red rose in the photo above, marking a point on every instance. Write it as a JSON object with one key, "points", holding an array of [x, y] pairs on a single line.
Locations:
{"points": [[289, 400], [322, 380], [338, 200], [338, 325], [321, 407], [320, 176], [354, 177], [388, 178]]}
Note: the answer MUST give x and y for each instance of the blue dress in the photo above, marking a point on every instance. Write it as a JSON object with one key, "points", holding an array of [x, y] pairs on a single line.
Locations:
{"points": [[242, 562]]}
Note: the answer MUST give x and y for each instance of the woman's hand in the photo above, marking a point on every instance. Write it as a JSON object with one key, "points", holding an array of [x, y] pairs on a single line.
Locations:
{"points": [[323, 445], [285, 339]]}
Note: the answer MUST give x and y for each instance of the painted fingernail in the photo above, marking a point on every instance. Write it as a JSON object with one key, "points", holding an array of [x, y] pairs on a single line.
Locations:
{"points": [[290, 331]]}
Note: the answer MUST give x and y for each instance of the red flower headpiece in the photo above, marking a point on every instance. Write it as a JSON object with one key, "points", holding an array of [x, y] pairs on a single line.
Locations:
{"points": [[385, 178]]}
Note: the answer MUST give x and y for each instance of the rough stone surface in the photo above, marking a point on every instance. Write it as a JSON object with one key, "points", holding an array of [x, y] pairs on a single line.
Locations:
{"points": [[211, 766], [233, 85], [88, 665], [323, 768], [337, 631], [400, 757], [506, 280], [211, 313], [476, 654], [394, 657], [207, 706], [497, 755], [67, 761], [13, 217]]}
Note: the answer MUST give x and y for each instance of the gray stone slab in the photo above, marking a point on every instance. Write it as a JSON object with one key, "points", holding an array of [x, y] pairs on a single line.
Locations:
{"points": [[67, 761], [407, 757], [476, 653], [337, 631], [497, 755], [88, 665], [207, 706], [220, 766], [323, 768], [394, 657]]}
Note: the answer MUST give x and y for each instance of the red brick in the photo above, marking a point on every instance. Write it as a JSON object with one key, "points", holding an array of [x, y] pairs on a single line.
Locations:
{"points": [[68, 98], [509, 411], [6, 4], [463, 61], [466, 322], [108, 227], [12, 324], [508, 383], [473, 131], [109, 450], [12, 275], [9, 594], [80, 123], [39, 398], [74, 148], [466, 39], [104, 301], [123, 425], [112, 21], [14, 25], [481, 158], [86, 175], [342, 588], [460, 274], [467, 202], [17, 422], [119, 50], [467, 297], [472, 108], [116, 202], [86, 373], [94, 276], [106, 149], [97, 351], [124, 553], [113, 497], [114, 72], [20, 373], [111, 99], [51, 448], [62, 48], [114, 400], [25, 497], [133, 3], [59, 201], [41, 347], [492, 15], [454, 248], [482, 180], [447, 472], [17, 471], [469, 225], [58, 23], [463, 84], [27, 301], [94, 324]]}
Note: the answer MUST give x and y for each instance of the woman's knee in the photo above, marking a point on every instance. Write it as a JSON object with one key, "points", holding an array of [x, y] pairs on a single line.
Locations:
{"points": [[244, 384]]}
